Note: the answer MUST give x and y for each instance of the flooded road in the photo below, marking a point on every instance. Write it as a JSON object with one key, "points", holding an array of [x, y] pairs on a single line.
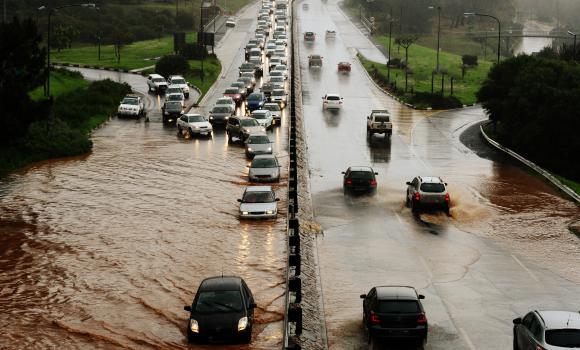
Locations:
{"points": [[103, 251], [505, 249], [530, 45]]}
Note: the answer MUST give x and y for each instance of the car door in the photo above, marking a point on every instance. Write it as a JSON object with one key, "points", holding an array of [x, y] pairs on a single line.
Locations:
{"points": [[536, 333], [367, 304], [524, 334]]}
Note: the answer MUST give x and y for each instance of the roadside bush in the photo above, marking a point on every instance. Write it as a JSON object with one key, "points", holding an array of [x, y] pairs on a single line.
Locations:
{"points": [[394, 63], [436, 101], [172, 64], [469, 60], [193, 51], [52, 139]]}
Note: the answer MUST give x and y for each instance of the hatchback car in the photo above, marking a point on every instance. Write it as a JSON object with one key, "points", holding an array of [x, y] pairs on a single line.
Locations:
{"points": [[331, 101], [195, 124], [280, 97], [264, 168], [220, 114], [257, 144], [249, 75], [264, 118], [427, 192], [359, 179], [247, 83], [547, 330], [395, 312], [258, 202], [223, 309], [242, 127], [275, 110], [234, 93], [247, 67], [256, 100]]}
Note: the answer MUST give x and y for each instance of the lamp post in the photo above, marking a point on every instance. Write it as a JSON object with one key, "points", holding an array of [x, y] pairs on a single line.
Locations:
{"points": [[438, 34], [202, 37], [50, 13], [498, 29], [574, 46], [390, 38]]}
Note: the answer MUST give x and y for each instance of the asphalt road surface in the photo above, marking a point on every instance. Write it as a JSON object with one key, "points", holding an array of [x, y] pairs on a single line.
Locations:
{"points": [[505, 249]]}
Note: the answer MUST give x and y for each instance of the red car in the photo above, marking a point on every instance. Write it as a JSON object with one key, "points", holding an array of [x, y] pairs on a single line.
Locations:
{"points": [[344, 67], [234, 93]]}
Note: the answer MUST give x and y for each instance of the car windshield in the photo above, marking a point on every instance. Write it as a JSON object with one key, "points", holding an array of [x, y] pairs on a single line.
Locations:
{"points": [[432, 187], [130, 101], [258, 197], [173, 91], [332, 98], [249, 122], [264, 163], [221, 109], [278, 93], [173, 104], [381, 118], [315, 57], [256, 97], [232, 91], [158, 80], [277, 79], [259, 115], [276, 73], [224, 101], [247, 66], [398, 306], [238, 84], [195, 118], [258, 140], [248, 75], [219, 301], [566, 338], [272, 107], [366, 175], [175, 97], [178, 81]]}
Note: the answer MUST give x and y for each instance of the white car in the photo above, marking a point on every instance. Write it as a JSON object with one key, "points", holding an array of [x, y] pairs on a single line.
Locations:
{"points": [[280, 97], [331, 101], [264, 168], [131, 106], [275, 110], [176, 97], [264, 117], [156, 83], [283, 39], [278, 82], [195, 124], [231, 22], [257, 143], [270, 49], [226, 101], [274, 61], [180, 81], [282, 68], [258, 202], [283, 59]]}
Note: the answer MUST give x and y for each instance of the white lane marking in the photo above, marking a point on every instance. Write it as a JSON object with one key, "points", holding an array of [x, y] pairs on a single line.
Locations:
{"points": [[526, 269], [400, 219], [427, 268], [467, 340]]}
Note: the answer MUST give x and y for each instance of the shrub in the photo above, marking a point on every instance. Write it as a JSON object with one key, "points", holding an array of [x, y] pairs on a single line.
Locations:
{"points": [[172, 64], [194, 51], [394, 63], [55, 138], [436, 101], [469, 60]]}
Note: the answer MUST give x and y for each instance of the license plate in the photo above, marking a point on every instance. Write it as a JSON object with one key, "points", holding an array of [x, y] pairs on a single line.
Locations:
{"points": [[204, 133]]}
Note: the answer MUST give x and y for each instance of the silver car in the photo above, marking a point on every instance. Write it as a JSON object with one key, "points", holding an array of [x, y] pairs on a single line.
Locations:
{"points": [[427, 191], [220, 114], [275, 110], [264, 168], [280, 97], [257, 144], [194, 124], [258, 202], [547, 330], [264, 118]]}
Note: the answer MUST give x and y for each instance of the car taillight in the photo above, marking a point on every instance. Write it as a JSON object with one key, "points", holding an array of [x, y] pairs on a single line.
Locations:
{"points": [[375, 318], [348, 182], [422, 319], [417, 196], [539, 348], [447, 197], [373, 183]]}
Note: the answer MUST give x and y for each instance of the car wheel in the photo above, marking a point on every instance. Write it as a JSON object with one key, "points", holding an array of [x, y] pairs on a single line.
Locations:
{"points": [[229, 138], [446, 209], [190, 133], [414, 207], [179, 129], [407, 202], [247, 339]]}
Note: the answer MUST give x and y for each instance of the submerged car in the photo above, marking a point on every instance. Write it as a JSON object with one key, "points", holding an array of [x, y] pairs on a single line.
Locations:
{"points": [[223, 309], [171, 110], [258, 144], [195, 124], [264, 168], [220, 114], [359, 179], [131, 106], [427, 192], [258, 202]]}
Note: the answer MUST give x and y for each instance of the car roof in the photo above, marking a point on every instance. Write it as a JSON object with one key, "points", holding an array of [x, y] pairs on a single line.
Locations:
{"points": [[430, 179], [154, 75], [396, 292], [221, 283], [193, 114], [265, 156], [337, 95], [261, 111], [560, 319], [361, 168], [175, 76], [259, 189]]}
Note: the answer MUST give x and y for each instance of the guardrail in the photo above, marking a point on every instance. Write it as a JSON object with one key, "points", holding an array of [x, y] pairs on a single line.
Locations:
{"points": [[292, 306]]}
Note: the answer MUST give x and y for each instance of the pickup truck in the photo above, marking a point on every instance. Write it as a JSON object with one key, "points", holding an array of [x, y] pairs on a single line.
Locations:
{"points": [[379, 122]]}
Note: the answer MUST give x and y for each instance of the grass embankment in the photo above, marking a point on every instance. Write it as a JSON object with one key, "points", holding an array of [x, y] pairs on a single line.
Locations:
{"points": [[233, 6], [61, 82], [76, 113]]}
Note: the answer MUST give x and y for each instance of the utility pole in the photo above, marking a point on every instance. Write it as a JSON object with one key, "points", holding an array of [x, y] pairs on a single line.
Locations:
{"points": [[438, 35], [574, 46], [498, 29], [390, 38]]}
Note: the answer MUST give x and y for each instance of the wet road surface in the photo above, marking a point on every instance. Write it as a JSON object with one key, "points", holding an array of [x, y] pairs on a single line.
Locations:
{"points": [[104, 250], [504, 251]]}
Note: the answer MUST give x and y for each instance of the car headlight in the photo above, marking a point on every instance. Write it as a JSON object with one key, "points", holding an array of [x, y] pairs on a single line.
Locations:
{"points": [[249, 149], [269, 149], [196, 127], [269, 212], [194, 326], [263, 129], [242, 324], [210, 118], [244, 213]]}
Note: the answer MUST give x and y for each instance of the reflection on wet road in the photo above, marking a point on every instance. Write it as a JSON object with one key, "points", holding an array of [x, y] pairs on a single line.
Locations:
{"points": [[505, 250], [104, 250]]}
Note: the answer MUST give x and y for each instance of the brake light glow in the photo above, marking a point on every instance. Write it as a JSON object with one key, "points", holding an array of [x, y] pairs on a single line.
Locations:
{"points": [[348, 182], [417, 196], [447, 197], [374, 318], [373, 183], [422, 319]]}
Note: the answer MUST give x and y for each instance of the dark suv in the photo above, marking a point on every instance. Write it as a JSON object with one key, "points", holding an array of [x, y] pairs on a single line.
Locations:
{"points": [[427, 191], [223, 309], [359, 179], [395, 312], [242, 127]]}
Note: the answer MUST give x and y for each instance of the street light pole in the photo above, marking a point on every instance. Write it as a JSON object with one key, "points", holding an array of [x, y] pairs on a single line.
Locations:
{"points": [[498, 29], [438, 35], [390, 37], [573, 47]]}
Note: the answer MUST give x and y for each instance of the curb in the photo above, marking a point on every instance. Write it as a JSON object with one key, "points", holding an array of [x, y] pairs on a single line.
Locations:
{"points": [[531, 165]]}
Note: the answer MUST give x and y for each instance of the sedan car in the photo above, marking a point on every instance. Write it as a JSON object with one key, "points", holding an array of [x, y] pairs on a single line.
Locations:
{"points": [[278, 82], [242, 127], [256, 100], [171, 110], [194, 124], [223, 309], [264, 168], [331, 101], [257, 144], [220, 114], [131, 106], [427, 192], [264, 117], [247, 67], [258, 202], [282, 68], [359, 179], [280, 97], [249, 75], [275, 110], [395, 312], [547, 330], [234, 93], [247, 83], [231, 22], [226, 101], [240, 85]]}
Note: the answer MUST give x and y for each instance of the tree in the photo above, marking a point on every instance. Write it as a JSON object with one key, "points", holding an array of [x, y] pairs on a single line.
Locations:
{"points": [[22, 67], [121, 38], [172, 64], [406, 41]]}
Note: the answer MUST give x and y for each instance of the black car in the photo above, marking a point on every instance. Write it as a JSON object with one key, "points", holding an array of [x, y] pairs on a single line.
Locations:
{"points": [[359, 179], [396, 313], [222, 310]]}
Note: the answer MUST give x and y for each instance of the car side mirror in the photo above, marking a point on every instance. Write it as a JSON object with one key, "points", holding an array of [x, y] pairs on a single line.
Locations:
{"points": [[277, 199], [253, 305], [376, 173], [408, 183], [421, 296], [517, 320], [363, 296], [445, 183], [239, 200], [342, 172], [187, 308]]}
